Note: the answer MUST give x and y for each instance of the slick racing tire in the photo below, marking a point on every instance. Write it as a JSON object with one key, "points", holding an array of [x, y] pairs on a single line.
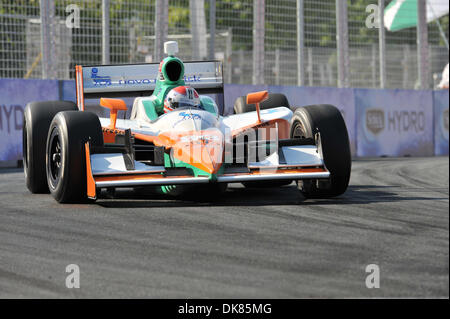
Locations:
{"points": [[36, 121], [326, 120], [66, 159], [274, 100]]}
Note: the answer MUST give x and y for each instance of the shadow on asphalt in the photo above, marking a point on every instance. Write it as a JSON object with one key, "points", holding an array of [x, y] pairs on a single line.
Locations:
{"points": [[280, 196], [7, 170]]}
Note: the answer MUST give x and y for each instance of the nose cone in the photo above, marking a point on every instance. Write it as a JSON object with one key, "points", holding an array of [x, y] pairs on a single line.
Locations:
{"points": [[203, 150]]}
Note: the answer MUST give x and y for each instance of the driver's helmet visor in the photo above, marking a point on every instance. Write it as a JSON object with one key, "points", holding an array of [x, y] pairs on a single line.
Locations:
{"points": [[183, 103], [176, 105]]}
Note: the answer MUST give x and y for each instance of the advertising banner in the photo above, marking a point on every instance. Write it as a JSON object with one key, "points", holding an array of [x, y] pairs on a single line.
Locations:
{"points": [[14, 95], [379, 122], [394, 122], [440, 101], [343, 99]]}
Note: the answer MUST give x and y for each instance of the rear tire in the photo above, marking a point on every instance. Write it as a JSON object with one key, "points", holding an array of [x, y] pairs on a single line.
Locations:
{"points": [[66, 159], [274, 100], [36, 121], [328, 121]]}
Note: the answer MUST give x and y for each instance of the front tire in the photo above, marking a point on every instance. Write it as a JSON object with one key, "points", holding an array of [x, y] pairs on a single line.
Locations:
{"points": [[328, 121], [66, 159], [36, 121]]}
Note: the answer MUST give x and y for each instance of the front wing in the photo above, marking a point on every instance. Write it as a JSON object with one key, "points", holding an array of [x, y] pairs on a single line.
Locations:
{"points": [[119, 169]]}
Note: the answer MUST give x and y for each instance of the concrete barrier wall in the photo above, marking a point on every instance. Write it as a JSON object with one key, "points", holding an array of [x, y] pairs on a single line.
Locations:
{"points": [[440, 109], [14, 95], [379, 122]]}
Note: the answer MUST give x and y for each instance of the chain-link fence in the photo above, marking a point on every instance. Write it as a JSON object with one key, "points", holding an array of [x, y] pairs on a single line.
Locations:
{"points": [[251, 37]]}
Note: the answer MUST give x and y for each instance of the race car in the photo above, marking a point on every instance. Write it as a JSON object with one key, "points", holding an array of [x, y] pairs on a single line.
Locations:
{"points": [[175, 139]]}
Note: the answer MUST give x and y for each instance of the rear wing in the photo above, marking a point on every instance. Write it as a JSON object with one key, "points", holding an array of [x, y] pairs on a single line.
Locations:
{"points": [[131, 80]]}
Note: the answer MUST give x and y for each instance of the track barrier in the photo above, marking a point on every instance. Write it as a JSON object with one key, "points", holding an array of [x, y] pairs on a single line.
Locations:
{"points": [[379, 122]]}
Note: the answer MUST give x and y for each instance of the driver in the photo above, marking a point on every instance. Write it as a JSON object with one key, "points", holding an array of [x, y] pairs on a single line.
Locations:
{"points": [[181, 96]]}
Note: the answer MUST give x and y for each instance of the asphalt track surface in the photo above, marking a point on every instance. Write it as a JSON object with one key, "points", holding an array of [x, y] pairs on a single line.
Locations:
{"points": [[269, 243]]}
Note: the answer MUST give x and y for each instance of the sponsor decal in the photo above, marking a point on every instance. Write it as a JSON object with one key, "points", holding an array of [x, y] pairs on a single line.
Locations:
{"points": [[189, 116], [137, 81], [375, 120], [11, 118], [11, 123], [192, 78], [406, 121], [100, 80], [399, 121]]}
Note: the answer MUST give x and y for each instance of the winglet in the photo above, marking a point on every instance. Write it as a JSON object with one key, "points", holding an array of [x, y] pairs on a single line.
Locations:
{"points": [[256, 98], [114, 105]]}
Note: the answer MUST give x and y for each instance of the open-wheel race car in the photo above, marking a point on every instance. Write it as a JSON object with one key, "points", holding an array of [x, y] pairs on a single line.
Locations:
{"points": [[175, 138]]}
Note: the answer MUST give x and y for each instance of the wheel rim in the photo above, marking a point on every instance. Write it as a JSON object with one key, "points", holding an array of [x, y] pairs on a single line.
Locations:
{"points": [[298, 131], [54, 163]]}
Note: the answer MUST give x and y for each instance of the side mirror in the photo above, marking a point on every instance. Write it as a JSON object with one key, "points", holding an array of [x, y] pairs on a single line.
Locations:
{"points": [[256, 98], [114, 105]]}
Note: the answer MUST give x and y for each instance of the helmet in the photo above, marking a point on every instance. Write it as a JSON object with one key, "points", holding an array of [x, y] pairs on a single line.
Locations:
{"points": [[181, 96]]}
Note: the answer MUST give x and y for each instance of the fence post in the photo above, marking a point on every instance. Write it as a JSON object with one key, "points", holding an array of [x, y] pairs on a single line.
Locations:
{"points": [[161, 27], [105, 32], [53, 65], [300, 44], [342, 43], [241, 66], [277, 66], [47, 12], [422, 45], [228, 57], [198, 29], [310, 67], [132, 39], [258, 41], [382, 44], [405, 66], [212, 28], [373, 65]]}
